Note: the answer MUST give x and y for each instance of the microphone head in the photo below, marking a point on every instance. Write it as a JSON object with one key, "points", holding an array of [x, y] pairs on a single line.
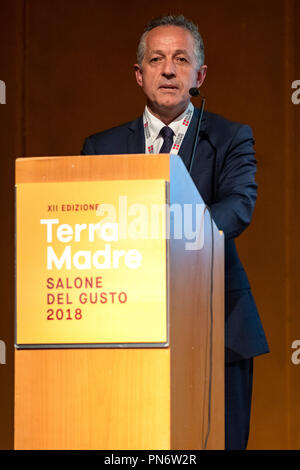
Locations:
{"points": [[194, 91]]}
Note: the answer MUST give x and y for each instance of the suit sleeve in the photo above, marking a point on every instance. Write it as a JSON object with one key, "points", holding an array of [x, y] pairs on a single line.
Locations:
{"points": [[87, 148], [236, 188]]}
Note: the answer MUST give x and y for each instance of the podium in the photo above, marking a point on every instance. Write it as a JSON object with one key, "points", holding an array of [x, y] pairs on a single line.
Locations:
{"points": [[142, 366]]}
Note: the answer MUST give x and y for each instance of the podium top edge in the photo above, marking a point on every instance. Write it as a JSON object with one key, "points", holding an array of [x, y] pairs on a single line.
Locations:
{"points": [[92, 167], [50, 157]]}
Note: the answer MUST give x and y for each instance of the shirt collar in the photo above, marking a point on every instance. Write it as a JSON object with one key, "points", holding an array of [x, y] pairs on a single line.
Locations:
{"points": [[155, 125]]}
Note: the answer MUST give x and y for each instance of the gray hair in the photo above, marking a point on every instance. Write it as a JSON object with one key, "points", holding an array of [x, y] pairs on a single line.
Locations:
{"points": [[173, 20]]}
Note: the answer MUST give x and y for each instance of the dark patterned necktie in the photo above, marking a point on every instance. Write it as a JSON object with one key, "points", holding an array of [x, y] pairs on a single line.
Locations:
{"points": [[167, 134]]}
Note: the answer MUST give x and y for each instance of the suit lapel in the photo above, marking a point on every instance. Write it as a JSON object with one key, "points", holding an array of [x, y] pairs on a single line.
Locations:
{"points": [[136, 137]]}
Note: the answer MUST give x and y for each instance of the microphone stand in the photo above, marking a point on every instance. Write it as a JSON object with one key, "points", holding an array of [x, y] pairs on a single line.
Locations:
{"points": [[196, 135]]}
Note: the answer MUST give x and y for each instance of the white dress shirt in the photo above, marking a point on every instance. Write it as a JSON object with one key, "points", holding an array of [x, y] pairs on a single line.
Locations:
{"points": [[153, 139]]}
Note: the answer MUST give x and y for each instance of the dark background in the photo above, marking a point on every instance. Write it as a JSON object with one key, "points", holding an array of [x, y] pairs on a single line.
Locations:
{"points": [[68, 69]]}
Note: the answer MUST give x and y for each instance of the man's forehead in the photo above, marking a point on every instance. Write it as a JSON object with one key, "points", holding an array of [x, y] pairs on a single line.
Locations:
{"points": [[169, 36]]}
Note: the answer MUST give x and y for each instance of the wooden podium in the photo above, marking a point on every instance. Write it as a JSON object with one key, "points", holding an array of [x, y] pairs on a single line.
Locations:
{"points": [[134, 396]]}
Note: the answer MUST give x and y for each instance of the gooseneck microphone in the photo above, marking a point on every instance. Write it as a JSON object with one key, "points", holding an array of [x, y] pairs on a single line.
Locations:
{"points": [[195, 92]]}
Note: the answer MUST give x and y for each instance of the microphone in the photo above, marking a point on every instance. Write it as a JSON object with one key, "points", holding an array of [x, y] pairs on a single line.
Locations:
{"points": [[197, 129], [194, 91]]}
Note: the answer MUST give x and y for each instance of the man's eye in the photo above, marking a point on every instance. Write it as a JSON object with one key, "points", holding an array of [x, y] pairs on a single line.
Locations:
{"points": [[155, 59], [181, 59]]}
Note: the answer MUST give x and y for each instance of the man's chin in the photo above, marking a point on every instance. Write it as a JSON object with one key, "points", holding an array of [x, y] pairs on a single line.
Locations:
{"points": [[172, 105], [168, 108]]}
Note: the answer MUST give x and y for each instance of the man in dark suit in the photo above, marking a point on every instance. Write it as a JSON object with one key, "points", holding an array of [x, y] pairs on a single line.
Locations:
{"points": [[170, 63]]}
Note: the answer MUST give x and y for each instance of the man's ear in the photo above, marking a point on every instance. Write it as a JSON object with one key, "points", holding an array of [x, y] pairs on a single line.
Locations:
{"points": [[201, 74], [138, 74]]}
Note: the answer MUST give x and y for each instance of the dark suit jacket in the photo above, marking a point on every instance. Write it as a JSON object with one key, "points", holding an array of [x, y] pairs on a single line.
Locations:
{"points": [[223, 171]]}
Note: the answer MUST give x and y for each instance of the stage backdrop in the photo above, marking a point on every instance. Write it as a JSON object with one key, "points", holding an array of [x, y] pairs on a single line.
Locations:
{"points": [[66, 71]]}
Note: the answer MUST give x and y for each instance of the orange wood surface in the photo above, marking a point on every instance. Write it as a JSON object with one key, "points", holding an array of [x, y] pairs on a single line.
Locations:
{"points": [[92, 168], [92, 399]]}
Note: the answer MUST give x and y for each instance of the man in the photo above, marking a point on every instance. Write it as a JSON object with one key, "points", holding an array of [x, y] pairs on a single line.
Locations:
{"points": [[170, 63]]}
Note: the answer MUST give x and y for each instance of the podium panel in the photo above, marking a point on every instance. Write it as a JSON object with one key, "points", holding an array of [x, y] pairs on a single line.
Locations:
{"points": [[91, 268]]}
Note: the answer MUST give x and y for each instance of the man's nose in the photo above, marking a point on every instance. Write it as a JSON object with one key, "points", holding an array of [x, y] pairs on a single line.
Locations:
{"points": [[169, 69]]}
